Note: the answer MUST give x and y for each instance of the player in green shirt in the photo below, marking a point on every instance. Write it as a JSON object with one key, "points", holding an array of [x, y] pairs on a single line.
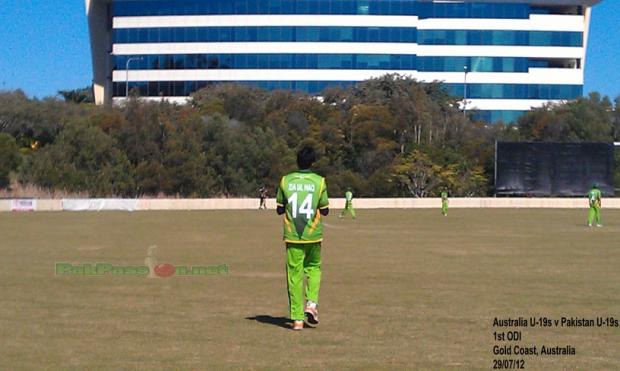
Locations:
{"points": [[444, 202], [302, 198], [594, 199], [348, 206]]}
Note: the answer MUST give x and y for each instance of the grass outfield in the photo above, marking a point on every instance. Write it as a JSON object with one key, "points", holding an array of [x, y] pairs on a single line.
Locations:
{"points": [[402, 289]]}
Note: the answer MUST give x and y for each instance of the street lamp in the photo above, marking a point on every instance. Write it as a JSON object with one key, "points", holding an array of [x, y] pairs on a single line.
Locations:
{"points": [[465, 91], [129, 60]]}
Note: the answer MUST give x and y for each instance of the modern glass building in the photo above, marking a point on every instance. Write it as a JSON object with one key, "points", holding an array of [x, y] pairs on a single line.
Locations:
{"points": [[504, 57]]}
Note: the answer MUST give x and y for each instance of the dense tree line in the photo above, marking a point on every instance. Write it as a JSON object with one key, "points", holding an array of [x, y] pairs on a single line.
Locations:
{"points": [[386, 137]]}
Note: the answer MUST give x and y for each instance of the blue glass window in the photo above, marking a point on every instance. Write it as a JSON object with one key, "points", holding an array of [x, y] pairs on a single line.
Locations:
{"points": [[516, 91], [493, 116], [473, 10], [332, 61], [342, 33], [490, 37], [474, 91], [267, 34], [268, 61], [186, 88], [473, 64], [372, 7]]}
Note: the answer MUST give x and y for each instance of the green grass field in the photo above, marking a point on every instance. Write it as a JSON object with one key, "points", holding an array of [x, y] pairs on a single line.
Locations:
{"points": [[402, 289]]}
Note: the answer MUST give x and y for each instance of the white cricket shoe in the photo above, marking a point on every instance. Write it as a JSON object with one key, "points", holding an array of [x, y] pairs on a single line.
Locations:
{"points": [[312, 314]]}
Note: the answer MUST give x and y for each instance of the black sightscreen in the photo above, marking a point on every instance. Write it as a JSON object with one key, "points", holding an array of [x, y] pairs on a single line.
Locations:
{"points": [[553, 169]]}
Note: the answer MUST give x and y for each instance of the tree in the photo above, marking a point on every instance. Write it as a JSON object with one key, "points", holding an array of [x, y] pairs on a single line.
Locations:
{"points": [[463, 180], [183, 159], [582, 120], [239, 102], [385, 137], [9, 159], [616, 120], [139, 133], [421, 177], [417, 174], [32, 121], [83, 95], [83, 159]]}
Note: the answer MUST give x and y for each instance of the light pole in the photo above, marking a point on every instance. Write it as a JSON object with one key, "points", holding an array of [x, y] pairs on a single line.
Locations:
{"points": [[127, 73], [465, 91]]}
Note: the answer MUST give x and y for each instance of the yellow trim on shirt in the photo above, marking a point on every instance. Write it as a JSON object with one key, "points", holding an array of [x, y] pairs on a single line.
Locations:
{"points": [[302, 242], [287, 223], [316, 220]]}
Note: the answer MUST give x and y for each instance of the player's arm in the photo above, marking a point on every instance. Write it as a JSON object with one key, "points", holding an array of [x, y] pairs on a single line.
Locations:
{"points": [[323, 199], [280, 199]]}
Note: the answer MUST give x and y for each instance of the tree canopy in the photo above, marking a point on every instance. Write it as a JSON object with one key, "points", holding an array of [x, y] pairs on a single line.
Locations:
{"points": [[386, 137]]}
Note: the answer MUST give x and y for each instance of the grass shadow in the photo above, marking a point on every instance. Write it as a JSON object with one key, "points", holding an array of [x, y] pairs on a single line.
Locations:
{"points": [[276, 321]]}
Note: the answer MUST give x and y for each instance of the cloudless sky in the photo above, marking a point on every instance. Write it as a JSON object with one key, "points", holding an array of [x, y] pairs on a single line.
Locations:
{"points": [[45, 47]]}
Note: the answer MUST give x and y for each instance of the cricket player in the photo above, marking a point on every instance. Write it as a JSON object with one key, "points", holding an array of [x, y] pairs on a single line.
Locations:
{"points": [[594, 198], [444, 202], [348, 206], [302, 198], [263, 193]]}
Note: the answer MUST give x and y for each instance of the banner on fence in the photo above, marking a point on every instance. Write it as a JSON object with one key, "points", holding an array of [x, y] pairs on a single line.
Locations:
{"points": [[99, 204], [24, 204]]}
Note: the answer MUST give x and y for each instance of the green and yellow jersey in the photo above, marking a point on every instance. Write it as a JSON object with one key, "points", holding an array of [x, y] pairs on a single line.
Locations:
{"points": [[302, 193], [444, 196], [594, 197], [349, 198]]}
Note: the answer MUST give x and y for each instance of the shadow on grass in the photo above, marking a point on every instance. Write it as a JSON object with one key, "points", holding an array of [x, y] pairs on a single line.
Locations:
{"points": [[276, 321]]}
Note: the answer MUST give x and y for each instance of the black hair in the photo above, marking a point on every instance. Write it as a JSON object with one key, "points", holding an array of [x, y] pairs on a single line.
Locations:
{"points": [[306, 157]]}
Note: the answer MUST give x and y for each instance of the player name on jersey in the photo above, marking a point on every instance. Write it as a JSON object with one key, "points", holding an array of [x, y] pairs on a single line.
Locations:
{"points": [[297, 187]]}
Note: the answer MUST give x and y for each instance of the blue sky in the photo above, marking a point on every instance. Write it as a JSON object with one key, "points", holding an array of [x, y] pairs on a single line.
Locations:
{"points": [[45, 47]]}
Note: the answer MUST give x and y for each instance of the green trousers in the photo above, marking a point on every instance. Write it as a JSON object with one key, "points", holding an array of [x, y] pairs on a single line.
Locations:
{"points": [[444, 208], [348, 209], [594, 215], [302, 259]]}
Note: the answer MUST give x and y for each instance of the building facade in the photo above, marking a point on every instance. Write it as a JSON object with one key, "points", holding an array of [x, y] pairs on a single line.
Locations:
{"points": [[502, 57]]}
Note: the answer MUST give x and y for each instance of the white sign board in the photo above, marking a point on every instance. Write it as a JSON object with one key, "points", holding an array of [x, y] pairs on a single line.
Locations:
{"points": [[23, 205], [99, 204]]}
